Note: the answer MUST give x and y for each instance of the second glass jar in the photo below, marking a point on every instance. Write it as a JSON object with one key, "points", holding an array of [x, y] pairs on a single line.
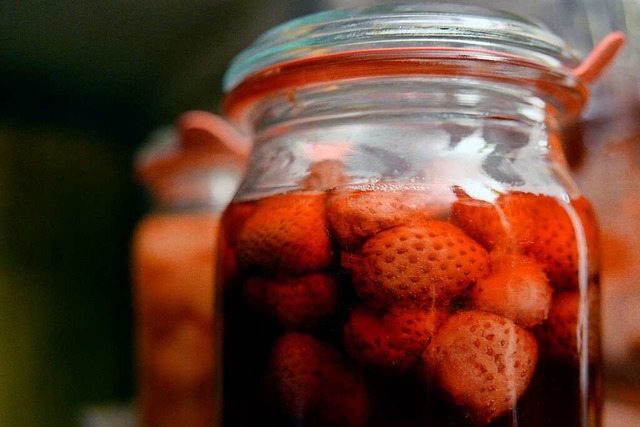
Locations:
{"points": [[190, 177]]}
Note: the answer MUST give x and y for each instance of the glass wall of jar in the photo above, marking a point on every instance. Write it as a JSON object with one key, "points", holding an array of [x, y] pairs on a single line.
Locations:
{"points": [[407, 247], [190, 177], [608, 170]]}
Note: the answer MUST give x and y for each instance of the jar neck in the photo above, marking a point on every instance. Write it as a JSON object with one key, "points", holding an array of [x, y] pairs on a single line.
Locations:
{"points": [[420, 99], [427, 130], [458, 69]]}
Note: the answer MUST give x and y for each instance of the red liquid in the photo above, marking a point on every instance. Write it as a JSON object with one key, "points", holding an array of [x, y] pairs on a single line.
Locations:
{"points": [[339, 332]]}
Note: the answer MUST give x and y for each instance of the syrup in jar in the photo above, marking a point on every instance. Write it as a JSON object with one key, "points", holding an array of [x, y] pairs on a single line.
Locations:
{"points": [[407, 247]]}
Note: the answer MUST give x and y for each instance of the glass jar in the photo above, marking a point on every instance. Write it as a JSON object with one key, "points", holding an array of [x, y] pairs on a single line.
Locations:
{"points": [[190, 176], [407, 247]]}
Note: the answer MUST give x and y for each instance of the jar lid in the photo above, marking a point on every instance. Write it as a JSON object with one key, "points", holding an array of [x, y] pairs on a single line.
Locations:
{"points": [[425, 25]]}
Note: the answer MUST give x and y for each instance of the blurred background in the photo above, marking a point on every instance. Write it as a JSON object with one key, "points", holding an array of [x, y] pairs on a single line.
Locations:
{"points": [[84, 84]]}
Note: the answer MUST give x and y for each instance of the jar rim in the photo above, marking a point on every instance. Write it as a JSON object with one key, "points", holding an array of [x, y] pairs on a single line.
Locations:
{"points": [[401, 26]]}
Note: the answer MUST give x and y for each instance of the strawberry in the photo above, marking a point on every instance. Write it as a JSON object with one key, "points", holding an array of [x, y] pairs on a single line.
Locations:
{"points": [[286, 234], [304, 302], [226, 267], [558, 336], [483, 362], [417, 265], [182, 360], [233, 220], [534, 225], [173, 265], [555, 245], [392, 342], [355, 215], [298, 368], [313, 384], [507, 224], [517, 289], [324, 175], [297, 303]]}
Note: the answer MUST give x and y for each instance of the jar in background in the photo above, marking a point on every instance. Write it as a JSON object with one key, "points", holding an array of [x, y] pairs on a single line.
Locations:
{"points": [[407, 247], [190, 177], [609, 174]]}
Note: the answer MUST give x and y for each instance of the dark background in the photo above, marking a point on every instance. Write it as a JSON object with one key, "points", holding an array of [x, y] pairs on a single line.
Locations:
{"points": [[82, 85]]}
